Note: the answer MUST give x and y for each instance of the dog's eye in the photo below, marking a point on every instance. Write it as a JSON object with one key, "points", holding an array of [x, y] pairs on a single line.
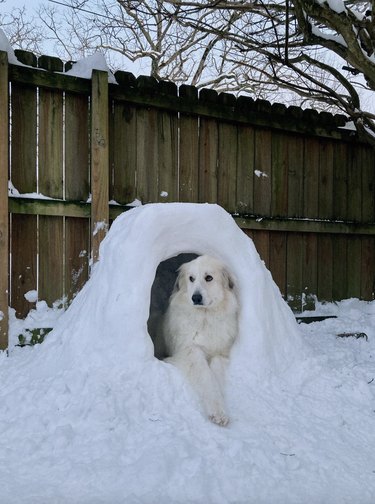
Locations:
{"points": [[208, 278], [191, 278]]}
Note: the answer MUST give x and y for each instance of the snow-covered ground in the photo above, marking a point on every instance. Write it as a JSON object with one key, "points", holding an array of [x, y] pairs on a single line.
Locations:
{"points": [[91, 417]]}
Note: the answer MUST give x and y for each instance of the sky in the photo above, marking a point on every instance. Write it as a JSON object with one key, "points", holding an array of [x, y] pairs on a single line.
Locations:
{"points": [[8, 5], [32, 7]]}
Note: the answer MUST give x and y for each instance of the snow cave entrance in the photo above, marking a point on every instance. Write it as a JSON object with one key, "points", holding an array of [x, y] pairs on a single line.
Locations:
{"points": [[162, 287]]}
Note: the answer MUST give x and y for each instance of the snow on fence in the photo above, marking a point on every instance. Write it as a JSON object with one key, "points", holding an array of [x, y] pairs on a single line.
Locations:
{"points": [[296, 181]]}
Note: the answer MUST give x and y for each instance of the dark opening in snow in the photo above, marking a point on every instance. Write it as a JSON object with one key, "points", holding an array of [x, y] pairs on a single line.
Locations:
{"points": [[161, 290]]}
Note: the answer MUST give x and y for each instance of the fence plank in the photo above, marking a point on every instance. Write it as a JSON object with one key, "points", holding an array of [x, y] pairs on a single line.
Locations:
{"points": [[51, 143], [311, 178], [325, 269], [245, 169], [50, 177], [340, 264], [368, 184], [99, 160], [368, 215], [354, 266], [51, 247], [24, 141], [295, 176], [4, 218], [77, 231], [325, 193], [24, 262], [227, 166], [354, 212], [261, 241], [24, 178], [189, 150], [340, 180], [77, 241], [77, 169], [167, 156], [279, 203], [294, 271], [147, 155], [309, 269], [354, 202], [208, 160], [367, 268], [278, 254], [123, 155], [263, 181]]}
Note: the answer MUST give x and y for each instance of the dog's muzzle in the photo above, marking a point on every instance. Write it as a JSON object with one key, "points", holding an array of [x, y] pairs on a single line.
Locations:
{"points": [[197, 299]]}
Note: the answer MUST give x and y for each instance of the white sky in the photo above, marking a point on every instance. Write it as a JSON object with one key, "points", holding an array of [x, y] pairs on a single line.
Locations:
{"points": [[30, 4], [32, 7]]}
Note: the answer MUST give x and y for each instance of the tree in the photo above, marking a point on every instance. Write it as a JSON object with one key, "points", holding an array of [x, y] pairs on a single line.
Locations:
{"points": [[139, 31], [320, 50], [317, 53], [23, 31]]}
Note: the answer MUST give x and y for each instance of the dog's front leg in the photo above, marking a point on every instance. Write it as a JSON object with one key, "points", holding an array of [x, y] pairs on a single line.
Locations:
{"points": [[193, 363], [218, 365]]}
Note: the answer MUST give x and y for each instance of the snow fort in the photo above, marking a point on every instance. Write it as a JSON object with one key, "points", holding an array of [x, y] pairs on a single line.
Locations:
{"points": [[135, 274]]}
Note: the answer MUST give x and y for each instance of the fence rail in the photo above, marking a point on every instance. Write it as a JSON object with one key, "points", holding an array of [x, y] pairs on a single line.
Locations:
{"points": [[297, 182]]}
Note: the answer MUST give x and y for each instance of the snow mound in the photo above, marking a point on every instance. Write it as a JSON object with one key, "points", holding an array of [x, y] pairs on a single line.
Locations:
{"points": [[110, 315], [83, 68], [6, 47]]}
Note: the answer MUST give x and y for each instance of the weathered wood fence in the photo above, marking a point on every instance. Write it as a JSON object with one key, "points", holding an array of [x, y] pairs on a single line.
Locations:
{"points": [[295, 181]]}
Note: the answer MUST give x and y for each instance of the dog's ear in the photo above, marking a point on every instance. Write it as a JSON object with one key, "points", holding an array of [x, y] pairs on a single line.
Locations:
{"points": [[228, 279]]}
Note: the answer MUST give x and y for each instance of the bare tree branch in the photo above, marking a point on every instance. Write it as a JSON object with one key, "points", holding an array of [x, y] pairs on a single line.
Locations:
{"points": [[307, 52], [22, 31]]}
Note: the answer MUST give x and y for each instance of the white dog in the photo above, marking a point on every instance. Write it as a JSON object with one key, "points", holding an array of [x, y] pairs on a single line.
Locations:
{"points": [[199, 328]]}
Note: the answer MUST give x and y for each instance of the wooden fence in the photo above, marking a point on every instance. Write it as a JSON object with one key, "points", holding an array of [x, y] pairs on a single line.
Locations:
{"points": [[295, 181]]}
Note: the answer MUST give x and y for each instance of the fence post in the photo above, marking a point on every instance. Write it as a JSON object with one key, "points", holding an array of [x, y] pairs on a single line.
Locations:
{"points": [[99, 160], [4, 216]]}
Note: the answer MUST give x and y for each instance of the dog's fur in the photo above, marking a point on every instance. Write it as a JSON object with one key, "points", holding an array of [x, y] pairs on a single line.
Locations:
{"points": [[199, 328]]}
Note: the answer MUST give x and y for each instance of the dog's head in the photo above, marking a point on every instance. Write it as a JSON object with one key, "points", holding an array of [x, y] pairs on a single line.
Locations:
{"points": [[205, 281]]}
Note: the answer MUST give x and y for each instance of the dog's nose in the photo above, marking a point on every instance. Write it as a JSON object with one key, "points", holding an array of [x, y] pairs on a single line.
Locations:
{"points": [[197, 298]]}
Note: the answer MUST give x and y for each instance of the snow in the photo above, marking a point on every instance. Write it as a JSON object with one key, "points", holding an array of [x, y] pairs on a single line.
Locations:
{"points": [[100, 226], [31, 296], [6, 47], [90, 416], [13, 191], [259, 173], [338, 39], [84, 67], [335, 5]]}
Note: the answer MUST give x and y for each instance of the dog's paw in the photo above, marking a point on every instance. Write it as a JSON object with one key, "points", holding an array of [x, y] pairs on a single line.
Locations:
{"points": [[220, 419]]}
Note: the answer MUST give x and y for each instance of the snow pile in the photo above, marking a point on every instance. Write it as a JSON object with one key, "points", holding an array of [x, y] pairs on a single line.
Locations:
{"points": [[84, 67], [6, 47], [91, 416]]}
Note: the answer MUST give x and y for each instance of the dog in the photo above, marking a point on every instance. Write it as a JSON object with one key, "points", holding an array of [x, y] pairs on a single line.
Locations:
{"points": [[199, 328]]}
